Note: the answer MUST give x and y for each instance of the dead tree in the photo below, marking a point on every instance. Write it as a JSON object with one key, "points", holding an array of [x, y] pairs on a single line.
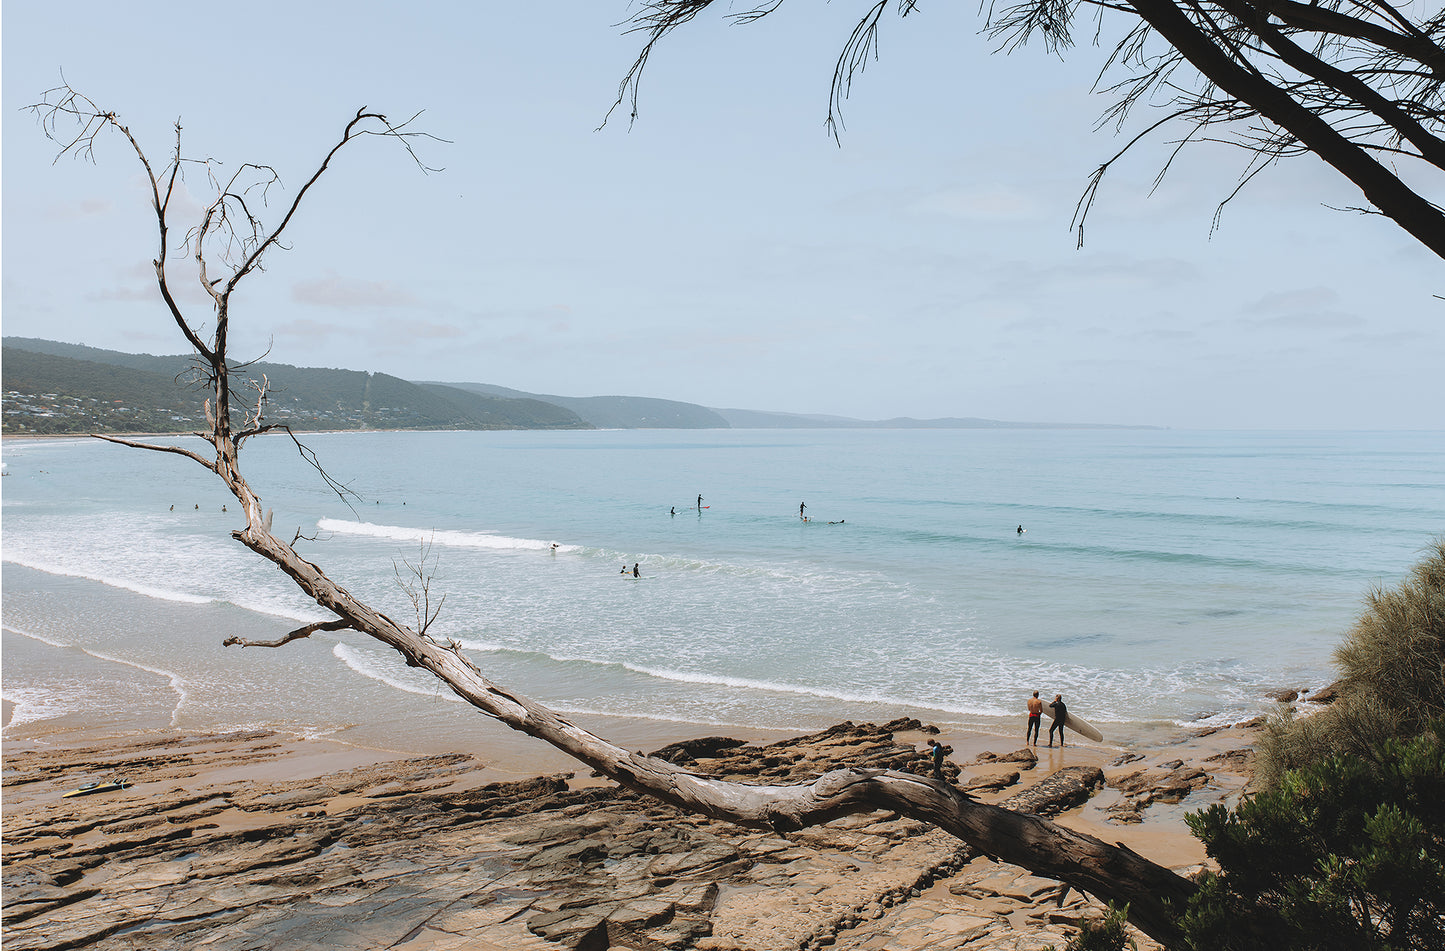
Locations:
{"points": [[1355, 82], [226, 246]]}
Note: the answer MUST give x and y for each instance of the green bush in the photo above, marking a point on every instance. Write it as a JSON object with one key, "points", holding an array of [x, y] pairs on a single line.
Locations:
{"points": [[1392, 683], [1343, 855], [1105, 934]]}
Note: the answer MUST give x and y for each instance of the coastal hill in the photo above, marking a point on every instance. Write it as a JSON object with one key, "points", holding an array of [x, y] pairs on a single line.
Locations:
{"points": [[54, 388], [613, 412], [67, 388]]}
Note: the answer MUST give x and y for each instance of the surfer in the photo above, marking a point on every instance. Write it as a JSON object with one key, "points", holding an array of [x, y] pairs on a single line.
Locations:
{"points": [[1060, 713], [699, 503], [801, 506], [1021, 529], [674, 511], [635, 572], [1036, 713], [624, 567]]}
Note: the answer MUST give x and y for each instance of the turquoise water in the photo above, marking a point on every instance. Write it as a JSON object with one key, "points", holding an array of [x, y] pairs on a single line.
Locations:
{"points": [[1163, 576]]}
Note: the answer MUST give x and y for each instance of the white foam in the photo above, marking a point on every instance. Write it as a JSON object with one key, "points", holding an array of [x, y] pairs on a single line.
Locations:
{"points": [[360, 663], [177, 684], [54, 707], [33, 704], [484, 647], [743, 683], [37, 637], [454, 539], [149, 591]]}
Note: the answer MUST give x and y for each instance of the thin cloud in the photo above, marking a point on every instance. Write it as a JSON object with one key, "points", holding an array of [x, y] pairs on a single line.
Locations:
{"points": [[333, 290], [311, 332], [1304, 298], [425, 330]]}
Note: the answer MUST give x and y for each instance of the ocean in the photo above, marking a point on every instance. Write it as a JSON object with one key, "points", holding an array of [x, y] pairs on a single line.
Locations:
{"points": [[1161, 579]]}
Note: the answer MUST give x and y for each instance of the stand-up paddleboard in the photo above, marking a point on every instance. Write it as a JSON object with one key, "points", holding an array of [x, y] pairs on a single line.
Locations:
{"points": [[1078, 724]]}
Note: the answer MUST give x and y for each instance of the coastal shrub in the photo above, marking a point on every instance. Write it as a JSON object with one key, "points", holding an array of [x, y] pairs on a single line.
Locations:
{"points": [[1103, 934], [1392, 684], [1343, 855]]}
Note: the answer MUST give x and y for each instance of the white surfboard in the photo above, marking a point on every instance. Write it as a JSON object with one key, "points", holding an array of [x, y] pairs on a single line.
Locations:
{"points": [[1078, 724]]}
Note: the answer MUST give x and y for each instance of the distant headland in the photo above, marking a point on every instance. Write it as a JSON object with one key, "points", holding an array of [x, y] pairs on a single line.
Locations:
{"points": [[54, 388]]}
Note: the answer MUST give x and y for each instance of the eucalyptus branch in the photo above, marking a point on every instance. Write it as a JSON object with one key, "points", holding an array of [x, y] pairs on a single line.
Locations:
{"points": [[175, 450], [1336, 78]]}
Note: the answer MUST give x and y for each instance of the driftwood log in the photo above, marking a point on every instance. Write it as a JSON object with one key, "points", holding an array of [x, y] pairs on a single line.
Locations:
{"points": [[1110, 872]]}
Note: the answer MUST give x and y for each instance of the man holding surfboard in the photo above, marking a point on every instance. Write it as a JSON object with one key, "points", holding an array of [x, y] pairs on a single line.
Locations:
{"points": [[1061, 713]]}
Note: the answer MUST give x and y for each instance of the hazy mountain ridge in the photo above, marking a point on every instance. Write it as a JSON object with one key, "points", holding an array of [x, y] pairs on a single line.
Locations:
{"points": [[54, 387], [616, 412]]}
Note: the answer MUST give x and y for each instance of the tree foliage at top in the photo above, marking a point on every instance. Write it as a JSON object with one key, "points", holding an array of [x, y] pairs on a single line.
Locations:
{"points": [[1356, 82]]}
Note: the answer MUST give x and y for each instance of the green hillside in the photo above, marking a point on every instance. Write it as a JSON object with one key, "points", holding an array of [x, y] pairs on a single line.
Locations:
{"points": [[65, 388]]}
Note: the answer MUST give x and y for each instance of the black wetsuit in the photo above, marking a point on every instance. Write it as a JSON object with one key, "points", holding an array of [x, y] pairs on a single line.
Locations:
{"points": [[1060, 712]]}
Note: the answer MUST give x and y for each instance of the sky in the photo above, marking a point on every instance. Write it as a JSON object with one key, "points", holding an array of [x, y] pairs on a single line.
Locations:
{"points": [[722, 248]]}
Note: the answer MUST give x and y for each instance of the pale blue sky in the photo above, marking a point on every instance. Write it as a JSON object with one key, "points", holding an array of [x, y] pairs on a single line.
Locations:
{"points": [[724, 250]]}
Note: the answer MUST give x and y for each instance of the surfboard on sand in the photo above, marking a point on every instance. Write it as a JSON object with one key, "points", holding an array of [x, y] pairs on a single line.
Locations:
{"points": [[1078, 724], [110, 785]]}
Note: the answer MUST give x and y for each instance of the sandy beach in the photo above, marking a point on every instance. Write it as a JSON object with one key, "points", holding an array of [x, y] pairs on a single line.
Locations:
{"points": [[259, 839]]}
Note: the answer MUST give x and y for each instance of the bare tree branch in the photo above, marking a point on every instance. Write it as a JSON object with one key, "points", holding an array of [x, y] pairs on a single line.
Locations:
{"points": [[177, 450], [295, 635], [417, 587]]}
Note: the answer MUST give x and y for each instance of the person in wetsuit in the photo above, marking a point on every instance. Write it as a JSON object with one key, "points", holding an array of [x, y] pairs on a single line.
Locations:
{"points": [[936, 748], [1060, 713]]}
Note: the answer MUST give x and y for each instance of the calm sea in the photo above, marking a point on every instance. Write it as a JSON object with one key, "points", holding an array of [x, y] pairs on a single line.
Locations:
{"points": [[1161, 576]]}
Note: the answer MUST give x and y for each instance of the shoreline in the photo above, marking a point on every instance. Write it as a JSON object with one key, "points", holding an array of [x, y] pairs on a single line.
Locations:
{"points": [[100, 692]]}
